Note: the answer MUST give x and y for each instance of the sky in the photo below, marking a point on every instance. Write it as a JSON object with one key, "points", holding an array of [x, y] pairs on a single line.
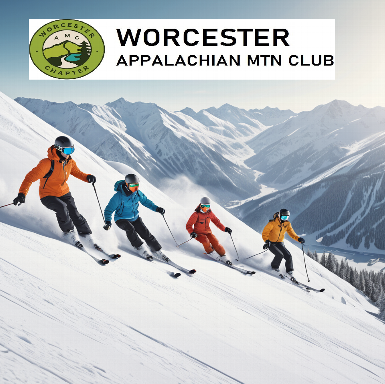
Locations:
{"points": [[360, 54]]}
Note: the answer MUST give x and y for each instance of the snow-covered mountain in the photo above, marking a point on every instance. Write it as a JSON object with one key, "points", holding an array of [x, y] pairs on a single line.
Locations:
{"points": [[298, 148], [164, 144], [341, 205], [272, 116], [64, 318]]}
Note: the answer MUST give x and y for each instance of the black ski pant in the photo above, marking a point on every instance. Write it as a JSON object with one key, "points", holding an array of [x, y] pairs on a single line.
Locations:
{"points": [[280, 252], [66, 213], [135, 228]]}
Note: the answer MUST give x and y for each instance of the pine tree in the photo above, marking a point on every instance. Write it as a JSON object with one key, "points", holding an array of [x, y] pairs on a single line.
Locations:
{"points": [[381, 301], [368, 288], [362, 282], [338, 266], [381, 305], [330, 264], [342, 270], [323, 259], [315, 256], [356, 278], [352, 278]]}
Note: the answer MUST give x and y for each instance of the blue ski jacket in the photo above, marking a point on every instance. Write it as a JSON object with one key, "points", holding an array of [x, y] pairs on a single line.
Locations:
{"points": [[126, 207]]}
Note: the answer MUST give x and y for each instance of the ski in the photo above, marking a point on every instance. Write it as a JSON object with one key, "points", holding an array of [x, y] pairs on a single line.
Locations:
{"points": [[297, 283], [239, 269], [80, 246], [166, 260], [111, 256], [293, 280]]}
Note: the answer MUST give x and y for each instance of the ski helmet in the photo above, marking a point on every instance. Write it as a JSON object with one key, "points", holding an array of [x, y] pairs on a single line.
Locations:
{"points": [[65, 145], [205, 204], [205, 200], [132, 182], [284, 214]]}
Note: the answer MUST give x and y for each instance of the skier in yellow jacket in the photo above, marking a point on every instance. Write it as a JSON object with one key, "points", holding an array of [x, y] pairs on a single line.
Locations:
{"points": [[273, 235]]}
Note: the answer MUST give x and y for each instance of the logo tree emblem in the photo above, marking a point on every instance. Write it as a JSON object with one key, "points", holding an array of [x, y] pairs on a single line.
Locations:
{"points": [[66, 49]]}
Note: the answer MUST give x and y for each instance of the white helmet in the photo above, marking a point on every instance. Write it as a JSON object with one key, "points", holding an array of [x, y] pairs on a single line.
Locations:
{"points": [[205, 200]]}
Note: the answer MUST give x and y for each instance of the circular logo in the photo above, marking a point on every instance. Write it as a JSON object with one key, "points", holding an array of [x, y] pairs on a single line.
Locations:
{"points": [[66, 49]]}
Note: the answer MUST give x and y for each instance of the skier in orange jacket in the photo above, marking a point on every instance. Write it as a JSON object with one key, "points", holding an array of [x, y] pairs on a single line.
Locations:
{"points": [[198, 226], [273, 235], [54, 192]]}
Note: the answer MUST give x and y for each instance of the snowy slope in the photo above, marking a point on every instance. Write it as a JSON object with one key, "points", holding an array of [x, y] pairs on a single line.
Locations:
{"points": [[65, 318]]}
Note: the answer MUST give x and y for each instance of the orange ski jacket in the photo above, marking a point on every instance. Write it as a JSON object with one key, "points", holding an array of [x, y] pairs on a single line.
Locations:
{"points": [[275, 231], [201, 222], [56, 184]]}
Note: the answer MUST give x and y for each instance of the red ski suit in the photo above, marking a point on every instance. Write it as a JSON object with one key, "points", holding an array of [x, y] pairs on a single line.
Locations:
{"points": [[201, 223]]}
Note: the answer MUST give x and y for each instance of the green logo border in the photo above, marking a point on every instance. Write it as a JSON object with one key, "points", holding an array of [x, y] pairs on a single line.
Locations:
{"points": [[38, 39]]}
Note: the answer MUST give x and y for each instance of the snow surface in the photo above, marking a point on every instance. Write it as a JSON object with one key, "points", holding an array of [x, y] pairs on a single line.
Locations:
{"points": [[64, 318]]}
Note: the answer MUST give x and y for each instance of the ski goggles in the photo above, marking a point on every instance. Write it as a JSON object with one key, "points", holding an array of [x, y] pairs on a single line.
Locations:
{"points": [[66, 150], [284, 217], [205, 205], [133, 187]]}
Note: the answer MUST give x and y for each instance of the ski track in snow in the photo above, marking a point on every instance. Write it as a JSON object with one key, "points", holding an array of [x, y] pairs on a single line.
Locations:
{"points": [[98, 327]]}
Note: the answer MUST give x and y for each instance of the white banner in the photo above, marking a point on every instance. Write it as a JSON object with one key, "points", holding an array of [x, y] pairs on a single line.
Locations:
{"points": [[178, 49]]}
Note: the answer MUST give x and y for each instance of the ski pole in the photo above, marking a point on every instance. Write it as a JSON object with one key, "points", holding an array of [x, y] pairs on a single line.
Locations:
{"points": [[170, 230], [257, 254], [234, 247], [305, 263], [6, 205], [93, 184], [185, 242]]}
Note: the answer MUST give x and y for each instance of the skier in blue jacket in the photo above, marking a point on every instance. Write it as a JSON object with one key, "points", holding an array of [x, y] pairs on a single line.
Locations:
{"points": [[125, 204]]}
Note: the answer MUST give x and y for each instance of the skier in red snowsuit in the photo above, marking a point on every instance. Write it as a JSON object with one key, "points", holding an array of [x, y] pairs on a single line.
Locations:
{"points": [[198, 226]]}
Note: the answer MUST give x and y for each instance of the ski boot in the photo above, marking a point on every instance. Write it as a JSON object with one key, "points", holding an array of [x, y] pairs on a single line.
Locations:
{"points": [[144, 253], [73, 238], [292, 278], [225, 260], [162, 256]]}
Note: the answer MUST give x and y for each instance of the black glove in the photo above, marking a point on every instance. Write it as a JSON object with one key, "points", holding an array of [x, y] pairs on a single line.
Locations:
{"points": [[267, 244], [301, 240], [107, 226], [228, 230], [160, 210], [91, 179], [193, 235], [20, 199]]}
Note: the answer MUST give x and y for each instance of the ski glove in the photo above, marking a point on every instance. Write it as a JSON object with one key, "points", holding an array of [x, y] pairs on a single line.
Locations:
{"points": [[20, 199], [160, 210], [107, 226], [301, 240], [193, 235], [267, 244], [228, 230], [91, 179]]}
